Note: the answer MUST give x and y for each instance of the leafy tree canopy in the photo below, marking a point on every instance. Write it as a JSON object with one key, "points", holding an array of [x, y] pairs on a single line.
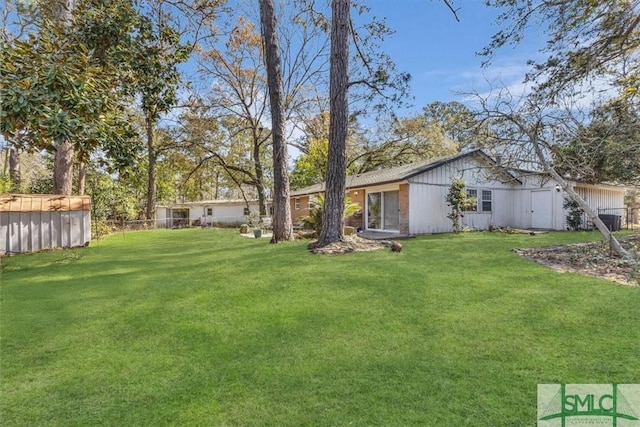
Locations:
{"points": [[60, 82], [605, 149], [586, 39]]}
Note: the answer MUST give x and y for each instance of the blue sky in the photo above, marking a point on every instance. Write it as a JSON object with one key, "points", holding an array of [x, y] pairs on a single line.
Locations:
{"points": [[440, 53]]}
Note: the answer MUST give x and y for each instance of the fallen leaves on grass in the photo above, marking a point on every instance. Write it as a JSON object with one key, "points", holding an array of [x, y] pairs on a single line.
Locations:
{"points": [[592, 259]]}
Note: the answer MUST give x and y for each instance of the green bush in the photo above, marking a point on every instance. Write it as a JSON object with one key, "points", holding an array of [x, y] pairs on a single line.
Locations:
{"points": [[314, 219], [459, 202], [574, 213]]}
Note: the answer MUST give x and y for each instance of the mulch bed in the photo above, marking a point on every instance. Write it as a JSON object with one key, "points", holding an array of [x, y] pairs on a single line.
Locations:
{"points": [[350, 244]]}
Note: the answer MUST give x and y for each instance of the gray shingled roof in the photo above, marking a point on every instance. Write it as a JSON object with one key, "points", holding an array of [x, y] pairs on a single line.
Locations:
{"points": [[396, 174]]}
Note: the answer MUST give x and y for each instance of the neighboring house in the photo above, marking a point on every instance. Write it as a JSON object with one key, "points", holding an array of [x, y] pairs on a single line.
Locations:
{"points": [[410, 199], [206, 212]]}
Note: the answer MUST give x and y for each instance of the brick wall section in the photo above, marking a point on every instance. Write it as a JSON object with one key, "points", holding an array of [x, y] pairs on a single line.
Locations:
{"points": [[404, 208], [304, 207], [356, 221]]}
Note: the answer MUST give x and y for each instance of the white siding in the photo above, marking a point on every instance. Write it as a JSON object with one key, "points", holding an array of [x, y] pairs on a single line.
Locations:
{"points": [[427, 193], [523, 210], [161, 216], [511, 202], [223, 212], [36, 231], [603, 200], [597, 197], [231, 214], [427, 209], [227, 214]]}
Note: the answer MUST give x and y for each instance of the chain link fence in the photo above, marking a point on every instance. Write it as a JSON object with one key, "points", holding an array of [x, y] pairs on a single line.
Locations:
{"points": [[102, 228]]}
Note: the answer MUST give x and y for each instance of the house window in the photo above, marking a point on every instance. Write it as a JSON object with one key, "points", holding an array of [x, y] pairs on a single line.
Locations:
{"points": [[472, 193], [296, 204], [311, 201], [209, 211], [486, 201], [271, 210], [246, 212]]}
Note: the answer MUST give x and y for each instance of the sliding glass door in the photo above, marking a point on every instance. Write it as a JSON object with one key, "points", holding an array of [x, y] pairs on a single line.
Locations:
{"points": [[374, 211], [383, 210], [391, 210]]}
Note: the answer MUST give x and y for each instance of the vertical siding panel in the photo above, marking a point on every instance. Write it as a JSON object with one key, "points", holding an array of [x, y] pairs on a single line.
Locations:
{"points": [[603, 201], [45, 232], [24, 223], [10, 232], [602, 198], [36, 218], [428, 210], [41, 232], [66, 235], [74, 231], [82, 231], [4, 232], [15, 233], [11, 224], [51, 226], [29, 226], [18, 218], [55, 229], [57, 217], [35, 231]]}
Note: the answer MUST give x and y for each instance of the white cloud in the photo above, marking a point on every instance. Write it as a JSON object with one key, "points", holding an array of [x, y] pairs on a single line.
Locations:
{"points": [[510, 79]]}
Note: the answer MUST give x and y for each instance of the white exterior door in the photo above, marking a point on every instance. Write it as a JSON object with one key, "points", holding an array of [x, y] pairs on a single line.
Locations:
{"points": [[541, 209]]}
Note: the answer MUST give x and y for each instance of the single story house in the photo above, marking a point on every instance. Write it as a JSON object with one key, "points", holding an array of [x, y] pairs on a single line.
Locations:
{"points": [[205, 212], [410, 199]]}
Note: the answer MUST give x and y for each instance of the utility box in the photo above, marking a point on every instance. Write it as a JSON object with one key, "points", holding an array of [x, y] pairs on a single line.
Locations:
{"points": [[36, 222], [612, 222]]}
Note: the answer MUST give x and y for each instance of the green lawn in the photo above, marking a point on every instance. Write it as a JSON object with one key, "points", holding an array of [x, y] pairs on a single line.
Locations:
{"points": [[208, 328]]}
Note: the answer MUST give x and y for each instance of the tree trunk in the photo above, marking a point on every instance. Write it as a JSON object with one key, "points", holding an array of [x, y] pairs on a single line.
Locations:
{"points": [[591, 214], [63, 160], [259, 182], [63, 168], [282, 227], [332, 215], [82, 177], [151, 187], [201, 185], [14, 169], [216, 195]]}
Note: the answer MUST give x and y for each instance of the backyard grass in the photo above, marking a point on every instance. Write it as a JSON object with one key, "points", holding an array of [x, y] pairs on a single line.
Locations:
{"points": [[205, 327]]}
